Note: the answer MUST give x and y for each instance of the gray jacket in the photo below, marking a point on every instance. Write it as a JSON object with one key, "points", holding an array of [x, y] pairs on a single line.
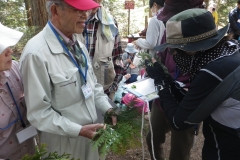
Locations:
{"points": [[55, 102]]}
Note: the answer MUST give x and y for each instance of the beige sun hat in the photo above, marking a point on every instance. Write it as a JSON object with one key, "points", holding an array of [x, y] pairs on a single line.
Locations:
{"points": [[8, 37]]}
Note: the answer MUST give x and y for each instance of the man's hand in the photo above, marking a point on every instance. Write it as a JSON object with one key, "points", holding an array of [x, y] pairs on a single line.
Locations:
{"points": [[90, 130], [114, 118]]}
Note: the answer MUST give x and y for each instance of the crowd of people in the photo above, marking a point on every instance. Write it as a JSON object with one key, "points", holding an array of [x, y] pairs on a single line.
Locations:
{"points": [[75, 65]]}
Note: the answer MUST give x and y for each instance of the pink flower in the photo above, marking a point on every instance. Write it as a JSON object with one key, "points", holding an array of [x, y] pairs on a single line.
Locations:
{"points": [[131, 100]]}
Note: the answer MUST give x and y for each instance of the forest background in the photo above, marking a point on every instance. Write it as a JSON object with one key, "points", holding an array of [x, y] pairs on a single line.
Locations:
{"points": [[29, 16]]}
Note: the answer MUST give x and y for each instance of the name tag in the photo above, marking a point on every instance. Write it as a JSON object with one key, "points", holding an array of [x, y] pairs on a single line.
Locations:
{"points": [[87, 90], [26, 133]]}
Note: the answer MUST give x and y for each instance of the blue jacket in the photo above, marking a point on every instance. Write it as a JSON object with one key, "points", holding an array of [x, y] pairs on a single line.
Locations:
{"points": [[233, 18]]}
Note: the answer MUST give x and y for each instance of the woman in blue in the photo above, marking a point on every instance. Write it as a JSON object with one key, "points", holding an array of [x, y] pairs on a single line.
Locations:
{"points": [[127, 58]]}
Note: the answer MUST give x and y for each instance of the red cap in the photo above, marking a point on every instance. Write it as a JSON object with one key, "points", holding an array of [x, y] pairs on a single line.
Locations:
{"points": [[82, 4]]}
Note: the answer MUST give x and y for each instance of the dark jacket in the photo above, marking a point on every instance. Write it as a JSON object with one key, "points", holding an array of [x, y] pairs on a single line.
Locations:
{"points": [[233, 18]]}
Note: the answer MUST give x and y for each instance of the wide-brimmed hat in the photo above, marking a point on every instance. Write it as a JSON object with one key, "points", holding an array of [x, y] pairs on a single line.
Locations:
{"points": [[83, 4], [173, 7], [8, 37], [131, 48], [192, 30]]}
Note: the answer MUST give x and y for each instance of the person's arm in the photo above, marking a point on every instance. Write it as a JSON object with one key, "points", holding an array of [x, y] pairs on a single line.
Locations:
{"points": [[216, 19], [233, 22], [101, 99], [125, 59], [177, 113], [38, 97], [117, 55], [154, 31]]}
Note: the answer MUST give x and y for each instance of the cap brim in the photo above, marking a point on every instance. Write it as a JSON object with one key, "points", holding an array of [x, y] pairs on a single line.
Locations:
{"points": [[9, 37], [196, 46], [83, 4]]}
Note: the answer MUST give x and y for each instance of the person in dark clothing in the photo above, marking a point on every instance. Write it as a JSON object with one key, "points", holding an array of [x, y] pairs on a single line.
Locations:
{"points": [[181, 142], [234, 20], [213, 97]]}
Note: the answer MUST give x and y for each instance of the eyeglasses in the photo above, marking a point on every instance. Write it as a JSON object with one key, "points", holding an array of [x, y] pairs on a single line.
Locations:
{"points": [[75, 10]]}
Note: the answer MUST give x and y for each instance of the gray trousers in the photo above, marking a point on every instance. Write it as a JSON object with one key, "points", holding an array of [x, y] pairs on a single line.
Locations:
{"points": [[181, 141]]}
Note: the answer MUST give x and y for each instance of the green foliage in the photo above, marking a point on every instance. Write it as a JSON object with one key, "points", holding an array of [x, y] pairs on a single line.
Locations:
{"points": [[14, 58], [37, 156], [146, 56], [41, 152], [137, 15], [121, 137], [134, 87], [12, 13], [105, 139], [223, 10]]}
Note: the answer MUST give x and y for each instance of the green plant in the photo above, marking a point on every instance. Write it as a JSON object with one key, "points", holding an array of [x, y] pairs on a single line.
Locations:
{"points": [[133, 86], [41, 152], [14, 58], [146, 57], [121, 137]]}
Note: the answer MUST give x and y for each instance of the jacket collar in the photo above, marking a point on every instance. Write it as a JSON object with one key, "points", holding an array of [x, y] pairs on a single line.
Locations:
{"points": [[52, 41], [54, 45]]}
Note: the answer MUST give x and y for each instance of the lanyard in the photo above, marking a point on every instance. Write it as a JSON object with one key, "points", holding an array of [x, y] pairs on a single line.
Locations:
{"points": [[18, 110], [70, 55]]}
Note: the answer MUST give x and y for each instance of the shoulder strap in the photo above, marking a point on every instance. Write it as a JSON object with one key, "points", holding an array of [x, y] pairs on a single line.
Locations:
{"points": [[229, 87], [131, 60]]}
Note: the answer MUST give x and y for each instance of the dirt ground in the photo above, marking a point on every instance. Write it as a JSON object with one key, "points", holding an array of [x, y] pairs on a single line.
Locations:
{"points": [[137, 154]]}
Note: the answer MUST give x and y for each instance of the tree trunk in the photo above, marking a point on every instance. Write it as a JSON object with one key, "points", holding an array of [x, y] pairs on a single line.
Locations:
{"points": [[28, 10], [39, 13]]}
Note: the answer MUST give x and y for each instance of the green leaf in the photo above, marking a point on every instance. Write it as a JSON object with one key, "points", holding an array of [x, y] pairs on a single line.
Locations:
{"points": [[41, 152], [121, 137]]}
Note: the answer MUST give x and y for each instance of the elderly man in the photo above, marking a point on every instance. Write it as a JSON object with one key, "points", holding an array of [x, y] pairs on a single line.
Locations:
{"points": [[59, 84]]}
